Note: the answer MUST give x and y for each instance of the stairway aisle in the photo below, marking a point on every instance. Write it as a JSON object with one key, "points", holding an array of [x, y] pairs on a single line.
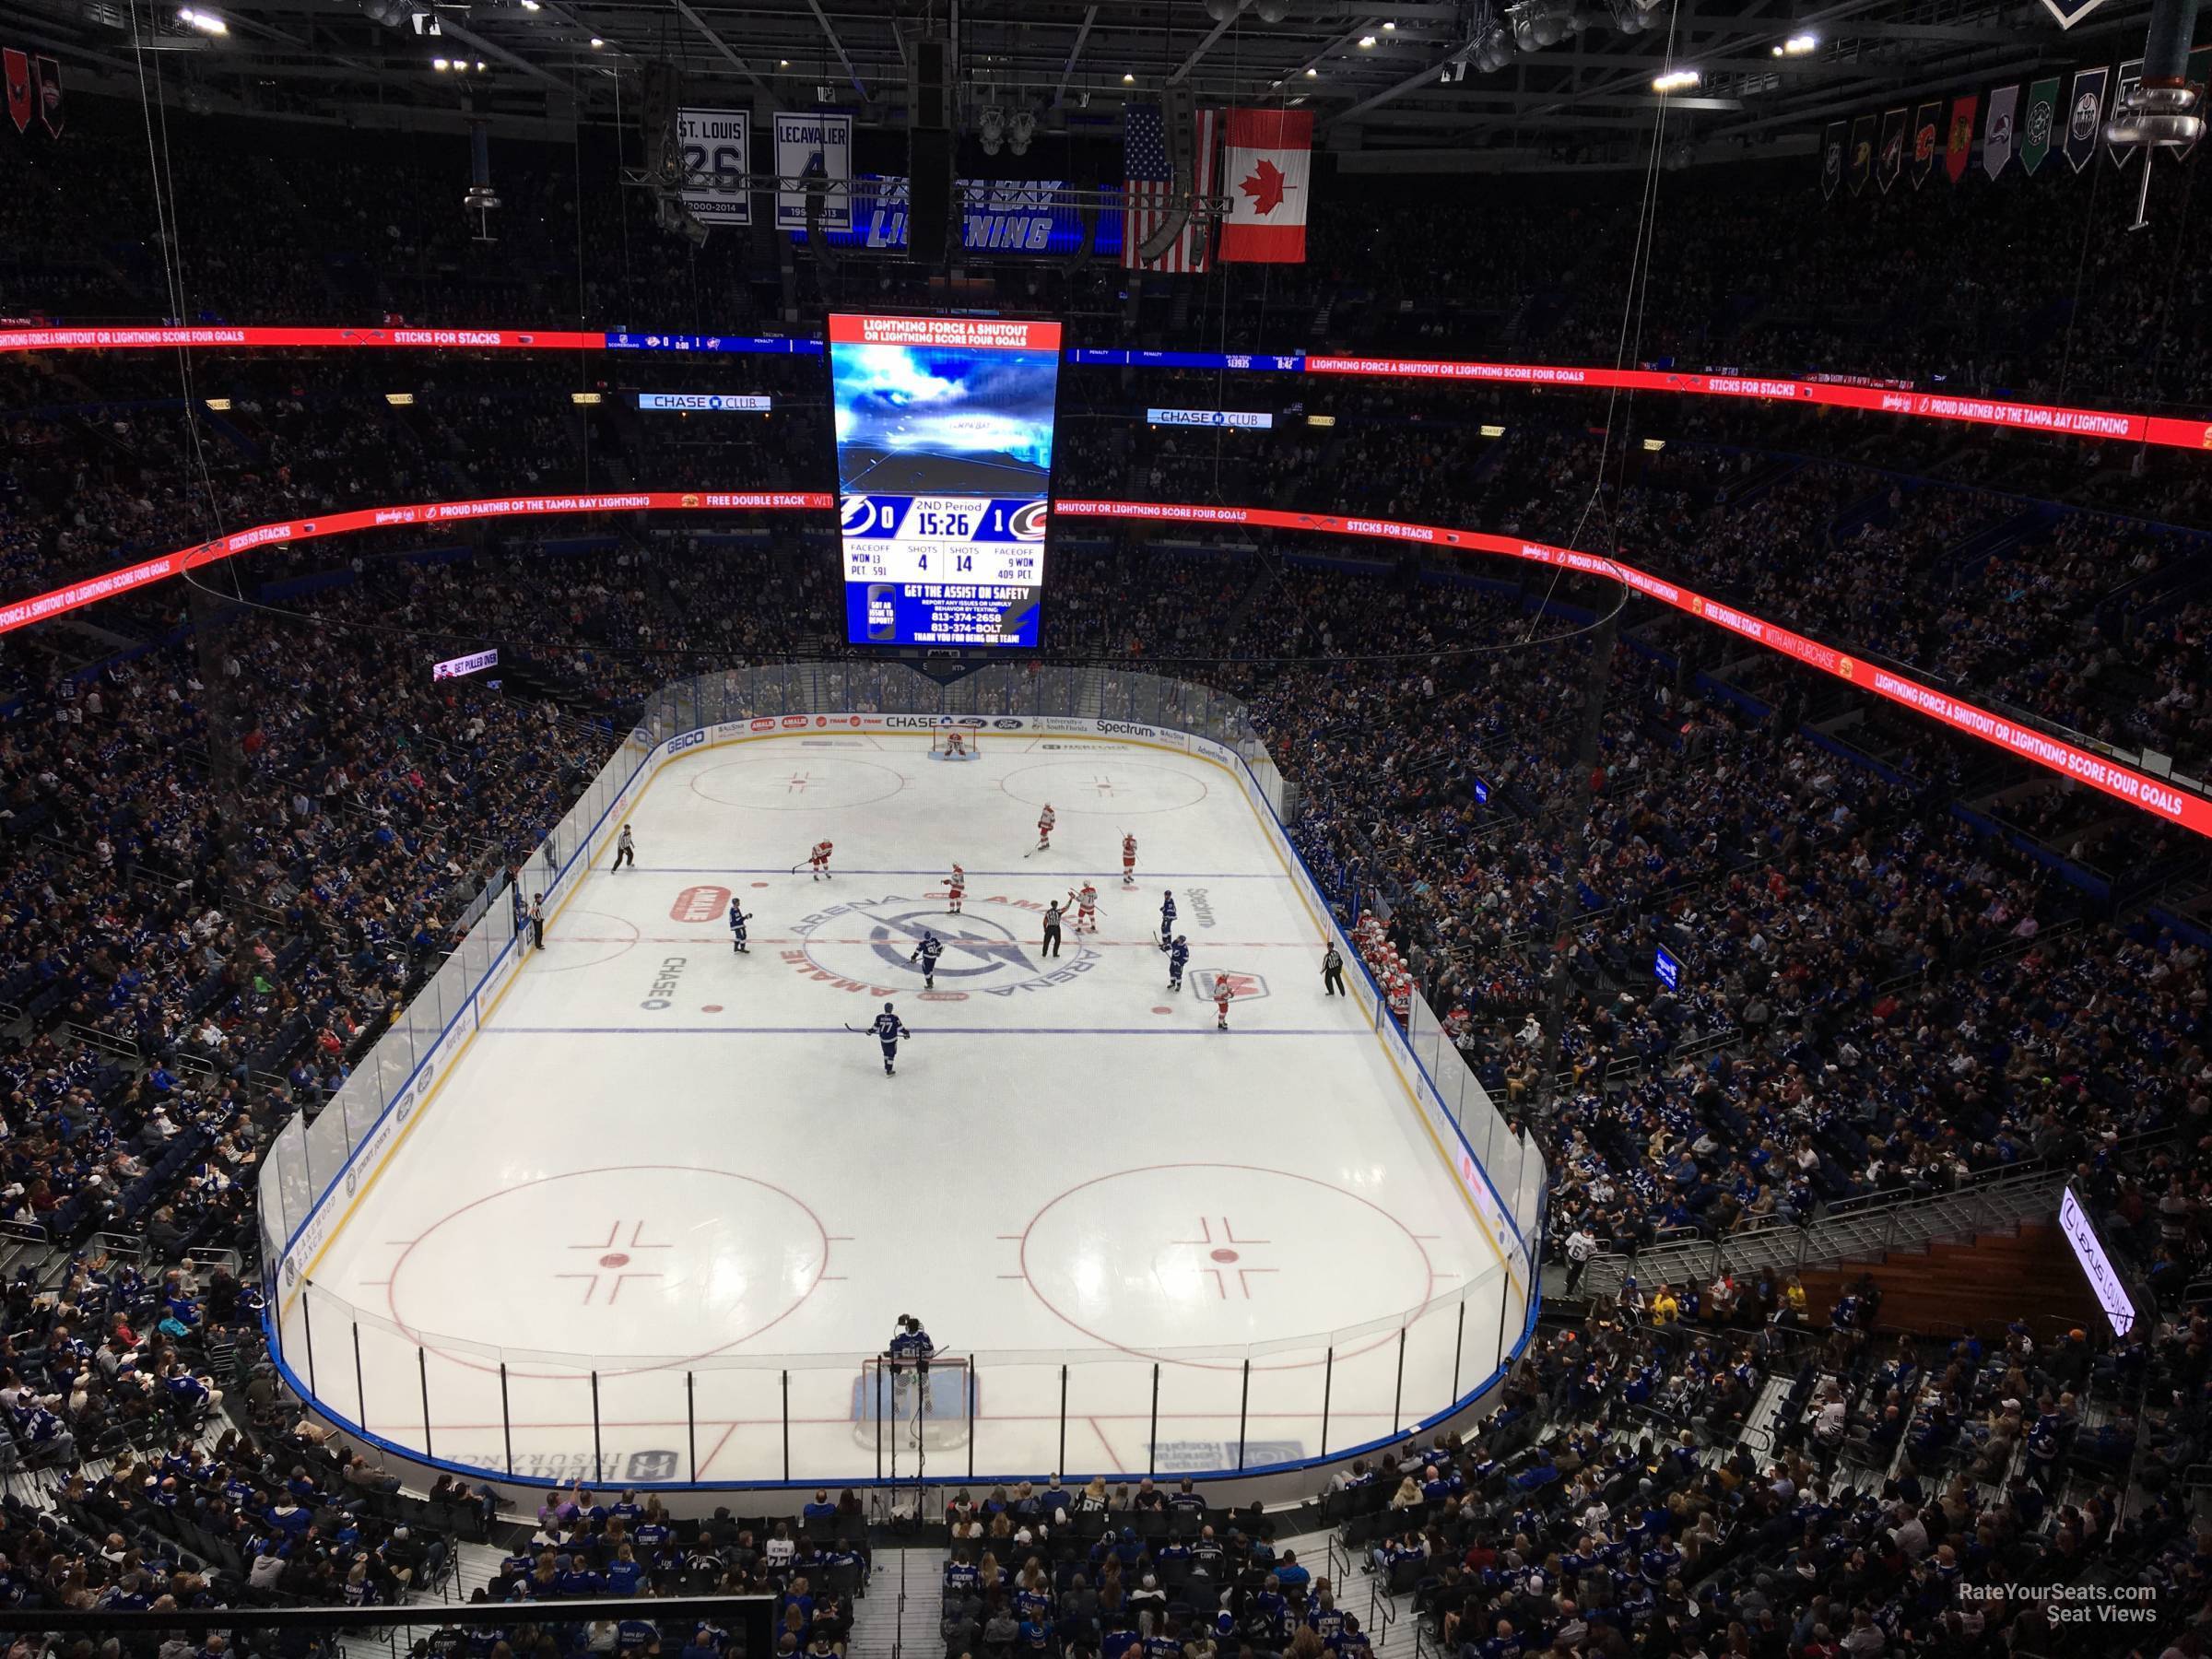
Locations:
{"points": [[881, 1628]]}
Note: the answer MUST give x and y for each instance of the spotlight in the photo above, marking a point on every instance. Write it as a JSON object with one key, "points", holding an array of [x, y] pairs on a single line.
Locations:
{"points": [[1128, 80], [1023, 129], [1797, 45], [1539, 23], [1628, 19], [1493, 48], [596, 43], [1223, 11], [207, 22], [993, 129], [1312, 74], [439, 64], [1271, 11], [1367, 42], [1674, 80]]}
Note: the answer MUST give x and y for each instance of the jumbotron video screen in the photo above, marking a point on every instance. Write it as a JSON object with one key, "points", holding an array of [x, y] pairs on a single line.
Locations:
{"points": [[944, 469]]}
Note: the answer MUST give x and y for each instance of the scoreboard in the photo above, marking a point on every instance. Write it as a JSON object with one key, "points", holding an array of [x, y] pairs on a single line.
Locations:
{"points": [[943, 465]]}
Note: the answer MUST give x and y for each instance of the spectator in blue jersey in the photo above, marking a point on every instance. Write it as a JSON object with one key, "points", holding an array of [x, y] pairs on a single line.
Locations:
{"points": [[820, 1509]]}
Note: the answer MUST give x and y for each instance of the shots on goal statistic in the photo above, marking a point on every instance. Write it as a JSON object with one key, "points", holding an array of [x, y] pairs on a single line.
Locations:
{"points": [[943, 465]]}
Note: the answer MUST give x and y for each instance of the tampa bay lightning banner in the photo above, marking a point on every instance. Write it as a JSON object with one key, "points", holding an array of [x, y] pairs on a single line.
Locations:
{"points": [[997, 216]]}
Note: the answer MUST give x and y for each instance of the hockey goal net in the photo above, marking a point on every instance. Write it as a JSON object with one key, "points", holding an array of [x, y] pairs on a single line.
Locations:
{"points": [[898, 1403], [954, 745]]}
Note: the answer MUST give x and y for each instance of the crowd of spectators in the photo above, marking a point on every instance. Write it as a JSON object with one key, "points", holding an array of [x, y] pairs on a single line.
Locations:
{"points": [[232, 851]]}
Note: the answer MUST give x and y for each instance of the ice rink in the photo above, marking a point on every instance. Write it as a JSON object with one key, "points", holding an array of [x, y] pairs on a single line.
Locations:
{"points": [[651, 1223]]}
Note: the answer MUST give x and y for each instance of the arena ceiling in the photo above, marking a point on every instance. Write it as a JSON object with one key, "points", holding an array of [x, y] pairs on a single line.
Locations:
{"points": [[1390, 85]]}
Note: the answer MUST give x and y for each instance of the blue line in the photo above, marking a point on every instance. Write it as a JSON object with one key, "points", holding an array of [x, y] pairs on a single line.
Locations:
{"points": [[1036, 872], [934, 1031]]}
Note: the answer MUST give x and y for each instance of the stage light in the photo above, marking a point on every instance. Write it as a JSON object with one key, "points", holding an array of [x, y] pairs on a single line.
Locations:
{"points": [[207, 22], [1539, 23], [1799, 44], [1367, 42], [1675, 81]]}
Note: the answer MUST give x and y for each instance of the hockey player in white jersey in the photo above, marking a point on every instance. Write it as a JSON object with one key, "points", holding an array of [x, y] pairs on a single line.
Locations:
{"points": [[1086, 901], [1045, 821], [956, 889]]}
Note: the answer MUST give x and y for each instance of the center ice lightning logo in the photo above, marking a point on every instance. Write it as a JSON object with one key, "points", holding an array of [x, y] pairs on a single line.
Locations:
{"points": [[868, 947]]}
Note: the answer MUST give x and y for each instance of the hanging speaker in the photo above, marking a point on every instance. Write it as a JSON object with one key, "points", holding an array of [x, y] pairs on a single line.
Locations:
{"points": [[928, 194]]}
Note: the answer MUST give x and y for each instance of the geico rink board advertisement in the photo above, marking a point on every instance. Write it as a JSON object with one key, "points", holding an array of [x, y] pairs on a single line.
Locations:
{"points": [[944, 463]]}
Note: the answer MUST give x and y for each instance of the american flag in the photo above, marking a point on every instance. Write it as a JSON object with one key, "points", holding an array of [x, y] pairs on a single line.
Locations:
{"points": [[1149, 188]]}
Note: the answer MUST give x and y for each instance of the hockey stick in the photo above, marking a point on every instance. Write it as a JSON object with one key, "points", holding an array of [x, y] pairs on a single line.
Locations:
{"points": [[797, 867]]}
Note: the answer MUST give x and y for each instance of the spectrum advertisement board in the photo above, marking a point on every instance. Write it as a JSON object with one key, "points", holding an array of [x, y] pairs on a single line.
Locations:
{"points": [[943, 467]]}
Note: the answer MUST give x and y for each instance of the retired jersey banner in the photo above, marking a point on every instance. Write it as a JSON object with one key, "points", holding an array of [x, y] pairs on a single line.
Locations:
{"points": [[2085, 115], [2042, 123], [18, 86], [1923, 141], [1891, 160], [718, 152], [1862, 153], [2125, 80], [809, 144], [1996, 139], [1958, 147], [1267, 161], [1832, 159]]}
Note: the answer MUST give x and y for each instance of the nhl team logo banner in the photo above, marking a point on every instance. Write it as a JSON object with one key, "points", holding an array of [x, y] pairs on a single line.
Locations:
{"points": [[2085, 115], [49, 95], [2036, 132], [1996, 137], [1958, 147], [1891, 160], [19, 87], [2125, 80], [1862, 153], [1923, 141], [1832, 159]]}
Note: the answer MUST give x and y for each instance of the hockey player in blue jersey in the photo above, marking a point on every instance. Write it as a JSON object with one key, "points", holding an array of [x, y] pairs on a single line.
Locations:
{"points": [[888, 1028], [737, 921], [1167, 920], [926, 953], [1179, 956]]}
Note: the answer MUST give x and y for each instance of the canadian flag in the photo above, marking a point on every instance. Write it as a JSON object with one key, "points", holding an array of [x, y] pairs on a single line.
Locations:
{"points": [[1268, 156]]}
